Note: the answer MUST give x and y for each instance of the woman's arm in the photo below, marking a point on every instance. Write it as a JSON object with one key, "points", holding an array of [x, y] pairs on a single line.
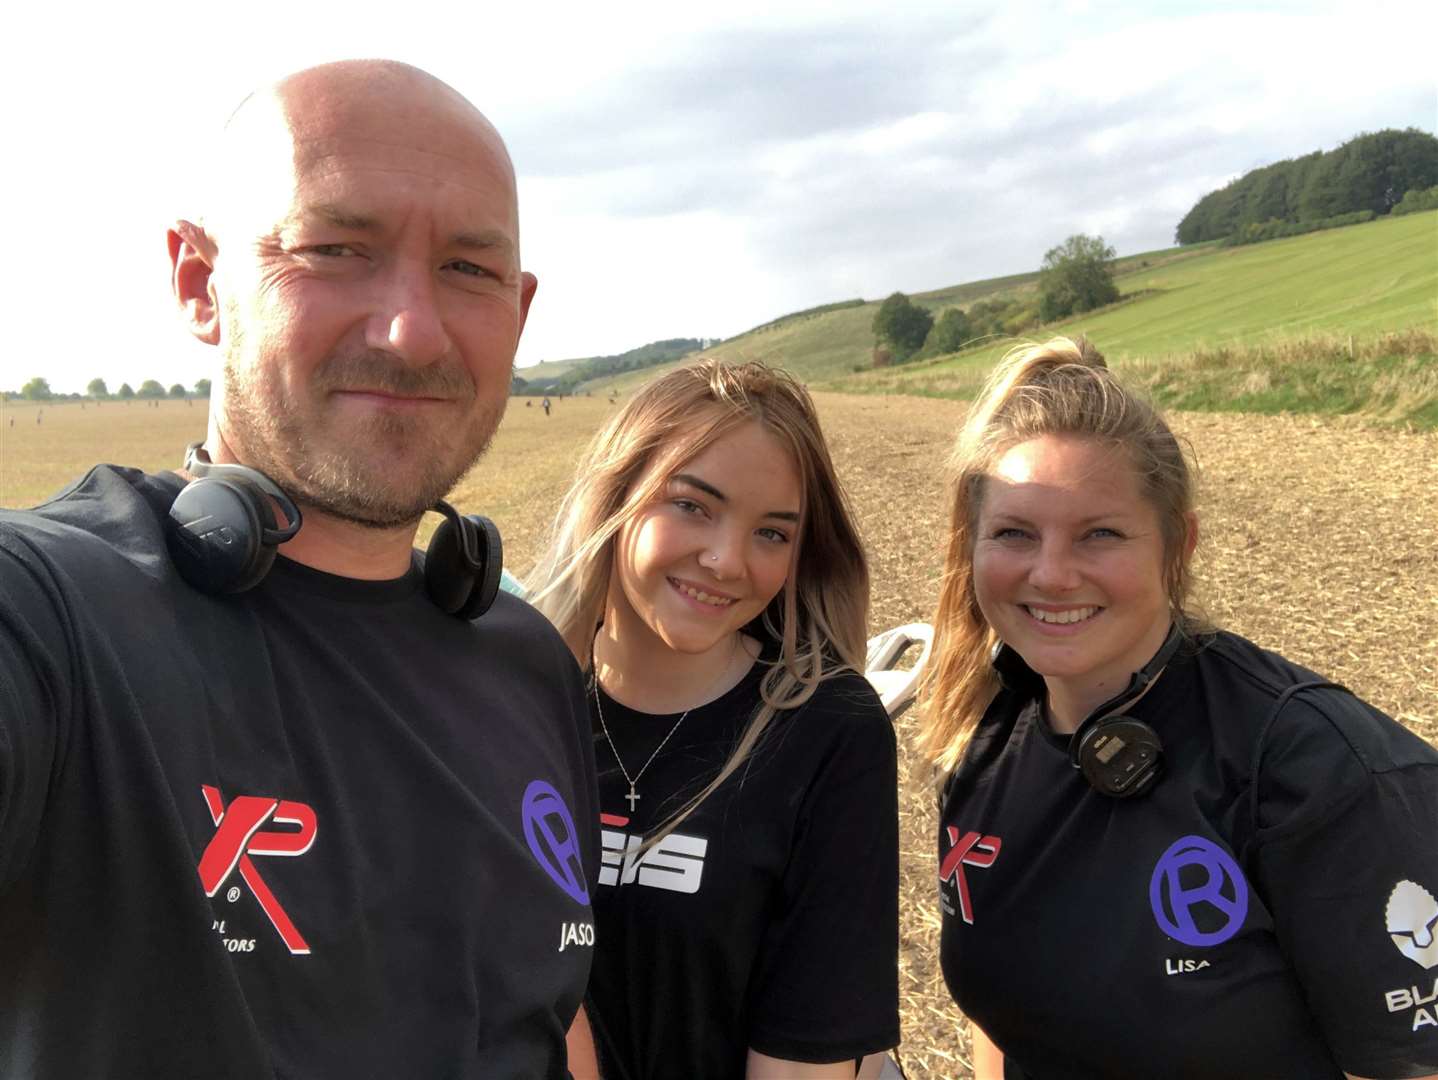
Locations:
{"points": [[583, 1061], [763, 1067], [988, 1058]]}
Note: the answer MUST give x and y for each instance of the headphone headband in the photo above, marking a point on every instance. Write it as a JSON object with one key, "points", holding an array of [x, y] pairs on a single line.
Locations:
{"points": [[222, 535], [1118, 755], [1142, 678], [1121, 756], [199, 465]]}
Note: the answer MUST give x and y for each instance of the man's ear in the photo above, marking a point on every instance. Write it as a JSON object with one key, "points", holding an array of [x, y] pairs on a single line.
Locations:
{"points": [[528, 283], [192, 265]]}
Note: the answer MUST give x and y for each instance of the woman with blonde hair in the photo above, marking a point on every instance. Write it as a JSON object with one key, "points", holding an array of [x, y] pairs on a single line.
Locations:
{"points": [[1163, 851], [706, 572]]}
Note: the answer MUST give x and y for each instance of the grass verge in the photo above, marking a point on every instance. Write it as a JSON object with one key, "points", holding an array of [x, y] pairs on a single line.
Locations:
{"points": [[1389, 379]]}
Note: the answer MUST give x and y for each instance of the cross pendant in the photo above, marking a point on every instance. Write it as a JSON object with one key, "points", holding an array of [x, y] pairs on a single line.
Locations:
{"points": [[632, 798]]}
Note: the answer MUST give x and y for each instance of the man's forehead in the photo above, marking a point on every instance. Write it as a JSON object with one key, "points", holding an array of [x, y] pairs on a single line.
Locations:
{"points": [[347, 94], [349, 151], [308, 130], [474, 229]]}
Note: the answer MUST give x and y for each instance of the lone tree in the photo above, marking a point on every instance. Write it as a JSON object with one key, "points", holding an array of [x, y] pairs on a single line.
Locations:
{"points": [[202, 388], [126, 392], [97, 389], [37, 389], [903, 324], [950, 333], [1076, 276], [151, 389], [177, 391]]}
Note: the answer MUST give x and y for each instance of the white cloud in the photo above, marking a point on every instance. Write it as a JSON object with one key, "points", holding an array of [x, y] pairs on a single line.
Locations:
{"points": [[693, 172]]}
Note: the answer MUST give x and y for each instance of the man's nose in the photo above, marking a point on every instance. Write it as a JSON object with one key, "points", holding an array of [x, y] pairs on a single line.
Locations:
{"points": [[407, 322]]}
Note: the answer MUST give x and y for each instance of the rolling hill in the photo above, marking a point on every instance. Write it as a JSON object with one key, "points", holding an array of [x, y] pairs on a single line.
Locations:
{"points": [[1361, 280]]}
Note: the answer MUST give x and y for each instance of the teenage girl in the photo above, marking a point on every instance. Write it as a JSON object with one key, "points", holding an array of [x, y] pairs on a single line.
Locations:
{"points": [[706, 571]]}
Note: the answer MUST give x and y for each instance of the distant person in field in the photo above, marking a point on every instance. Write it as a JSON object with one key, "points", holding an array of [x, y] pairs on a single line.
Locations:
{"points": [[326, 811], [1163, 850], [545, 404], [706, 572]]}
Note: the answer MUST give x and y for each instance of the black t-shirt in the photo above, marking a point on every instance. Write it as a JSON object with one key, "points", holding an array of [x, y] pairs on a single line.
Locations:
{"points": [[319, 829], [769, 918], [1267, 910]]}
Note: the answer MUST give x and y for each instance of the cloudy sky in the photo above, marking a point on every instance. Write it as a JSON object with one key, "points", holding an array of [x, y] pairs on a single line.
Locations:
{"points": [[691, 174]]}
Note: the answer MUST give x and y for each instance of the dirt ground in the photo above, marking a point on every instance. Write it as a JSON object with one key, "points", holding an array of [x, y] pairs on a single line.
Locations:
{"points": [[1320, 540]]}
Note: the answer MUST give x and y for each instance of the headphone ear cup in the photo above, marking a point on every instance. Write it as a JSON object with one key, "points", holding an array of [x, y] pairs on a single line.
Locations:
{"points": [[265, 558], [456, 587], [491, 558], [1119, 756], [215, 535]]}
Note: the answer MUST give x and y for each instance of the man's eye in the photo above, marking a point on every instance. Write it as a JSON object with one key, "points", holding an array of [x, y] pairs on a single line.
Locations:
{"points": [[1106, 534], [338, 250], [464, 266], [1010, 533]]}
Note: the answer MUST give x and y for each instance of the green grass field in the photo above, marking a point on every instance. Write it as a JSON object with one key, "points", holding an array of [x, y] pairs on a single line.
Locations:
{"points": [[1362, 280], [1300, 294]]}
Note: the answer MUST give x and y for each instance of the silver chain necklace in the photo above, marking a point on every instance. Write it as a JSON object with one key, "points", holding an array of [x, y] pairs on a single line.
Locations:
{"points": [[633, 796]]}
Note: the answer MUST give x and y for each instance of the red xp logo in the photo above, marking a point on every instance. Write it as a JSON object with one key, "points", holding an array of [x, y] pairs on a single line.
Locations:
{"points": [[238, 836], [970, 850]]}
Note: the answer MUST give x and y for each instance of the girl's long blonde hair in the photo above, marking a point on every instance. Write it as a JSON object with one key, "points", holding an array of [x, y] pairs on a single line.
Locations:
{"points": [[1062, 387], [820, 616]]}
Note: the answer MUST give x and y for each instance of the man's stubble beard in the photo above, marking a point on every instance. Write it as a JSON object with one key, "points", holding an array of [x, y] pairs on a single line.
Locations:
{"points": [[381, 473]]}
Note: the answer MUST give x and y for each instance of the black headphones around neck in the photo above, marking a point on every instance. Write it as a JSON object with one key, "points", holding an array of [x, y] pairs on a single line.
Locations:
{"points": [[1120, 756], [222, 537]]}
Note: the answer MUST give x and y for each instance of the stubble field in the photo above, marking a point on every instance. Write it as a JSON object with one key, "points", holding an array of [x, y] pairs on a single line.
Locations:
{"points": [[1320, 540]]}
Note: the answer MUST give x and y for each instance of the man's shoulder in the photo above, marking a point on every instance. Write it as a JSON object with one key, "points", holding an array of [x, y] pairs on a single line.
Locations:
{"points": [[522, 636], [109, 512], [516, 615]]}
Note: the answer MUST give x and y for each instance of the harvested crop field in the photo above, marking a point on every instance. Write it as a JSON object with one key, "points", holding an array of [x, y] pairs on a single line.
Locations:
{"points": [[1320, 540]]}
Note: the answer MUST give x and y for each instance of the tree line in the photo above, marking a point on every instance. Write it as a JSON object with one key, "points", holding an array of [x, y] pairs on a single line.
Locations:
{"points": [[38, 389], [1371, 174], [1076, 276], [595, 367]]}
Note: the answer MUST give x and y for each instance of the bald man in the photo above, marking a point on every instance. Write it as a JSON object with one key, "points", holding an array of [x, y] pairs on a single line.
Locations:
{"points": [[306, 815]]}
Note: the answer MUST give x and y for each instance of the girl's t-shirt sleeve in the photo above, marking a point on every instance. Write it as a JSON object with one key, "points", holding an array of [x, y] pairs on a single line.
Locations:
{"points": [[826, 981], [1346, 855]]}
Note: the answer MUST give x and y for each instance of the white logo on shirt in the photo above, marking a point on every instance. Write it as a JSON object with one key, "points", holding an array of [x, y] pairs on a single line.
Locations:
{"points": [[1177, 966], [675, 863], [1417, 998], [1412, 919], [575, 933]]}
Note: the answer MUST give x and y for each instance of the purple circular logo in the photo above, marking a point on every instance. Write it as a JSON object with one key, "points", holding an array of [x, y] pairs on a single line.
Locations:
{"points": [[1219, 901], [552, 840]]}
